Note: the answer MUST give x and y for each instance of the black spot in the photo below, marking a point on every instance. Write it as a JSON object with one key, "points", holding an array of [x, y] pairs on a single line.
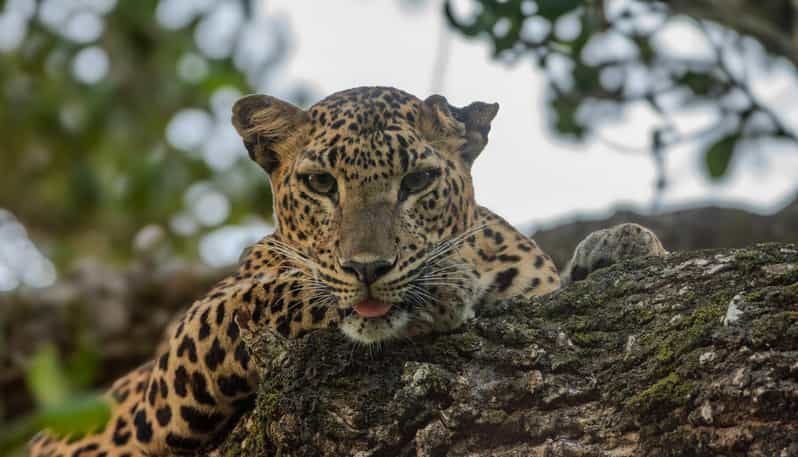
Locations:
{"points": [[215, 355], [242, 356], [85, 449], [163, 361], [277, 305], [509, 258], [199, 421], [333, 156], [283, 326], [220, 311], [232, 330], [199, 388], [317, 313], [179, 329], [205, 327], [143, 427], [505, 278], [151, 395], [182, 443], [164, 388], [245, 404], [181, 381], [403, 157], [232, 385], [187, 345], [538, 261], [257, 311], [120, 436], [164, 415]]}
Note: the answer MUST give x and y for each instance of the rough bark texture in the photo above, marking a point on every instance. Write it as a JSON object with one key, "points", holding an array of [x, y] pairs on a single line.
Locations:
{"points": [[693, 354], [685, 230]]}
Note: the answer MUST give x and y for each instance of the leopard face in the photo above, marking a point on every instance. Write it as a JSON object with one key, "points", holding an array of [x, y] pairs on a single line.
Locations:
{"points": [[373, 197]]}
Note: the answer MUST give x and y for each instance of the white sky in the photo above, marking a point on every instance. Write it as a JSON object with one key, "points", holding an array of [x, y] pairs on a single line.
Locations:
{"points": [[526, 173]]}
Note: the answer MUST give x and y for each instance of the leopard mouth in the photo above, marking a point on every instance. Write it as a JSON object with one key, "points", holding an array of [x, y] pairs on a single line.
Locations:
{"points": [[372, 308]]}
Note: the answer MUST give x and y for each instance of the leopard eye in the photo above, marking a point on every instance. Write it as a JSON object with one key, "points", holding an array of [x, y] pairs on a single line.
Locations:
{"points": [[416, 182], [321, 183]]}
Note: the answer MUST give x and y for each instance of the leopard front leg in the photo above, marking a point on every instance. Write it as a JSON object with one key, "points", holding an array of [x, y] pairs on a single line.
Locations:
{"points": [[203, 379], [507, 263]]}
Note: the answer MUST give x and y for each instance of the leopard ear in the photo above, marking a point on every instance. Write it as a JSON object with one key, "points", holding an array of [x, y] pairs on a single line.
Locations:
{"points": [[463, 129], [269, 127]]}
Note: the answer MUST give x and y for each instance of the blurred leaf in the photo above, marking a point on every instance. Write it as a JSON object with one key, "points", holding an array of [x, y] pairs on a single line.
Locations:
{"points": [[82, 364], [78, 415], [565, 121], [699, 83], [553, 9], [718, 156], [46, 379]]}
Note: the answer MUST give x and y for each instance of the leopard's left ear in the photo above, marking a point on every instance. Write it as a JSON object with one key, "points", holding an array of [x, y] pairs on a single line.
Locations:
{"points": [[463, 129]]}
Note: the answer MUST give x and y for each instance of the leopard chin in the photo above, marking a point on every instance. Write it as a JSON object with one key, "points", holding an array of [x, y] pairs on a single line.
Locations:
{"points": [[372, 330]]}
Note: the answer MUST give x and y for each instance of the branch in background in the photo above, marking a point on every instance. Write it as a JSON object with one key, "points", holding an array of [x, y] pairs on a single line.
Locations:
{"points": [[774, 23], [586, 80]]}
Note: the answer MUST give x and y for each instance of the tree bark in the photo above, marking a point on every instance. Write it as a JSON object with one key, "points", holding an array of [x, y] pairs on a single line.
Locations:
{"points": [[692, 354]]}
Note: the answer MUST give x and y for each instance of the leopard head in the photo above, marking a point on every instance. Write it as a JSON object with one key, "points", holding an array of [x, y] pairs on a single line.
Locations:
{"points": [[372, 197]]}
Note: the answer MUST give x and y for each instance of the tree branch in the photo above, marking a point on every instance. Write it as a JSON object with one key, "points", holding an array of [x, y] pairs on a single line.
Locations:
{"points": [[651, 357]]}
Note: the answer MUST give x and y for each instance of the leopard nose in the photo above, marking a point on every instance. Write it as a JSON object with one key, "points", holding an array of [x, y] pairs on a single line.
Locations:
{"points": [[367, 272]]}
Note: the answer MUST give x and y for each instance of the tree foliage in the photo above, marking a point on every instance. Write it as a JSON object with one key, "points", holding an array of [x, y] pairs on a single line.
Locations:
{"points": [[88, 157], [602, 57]]}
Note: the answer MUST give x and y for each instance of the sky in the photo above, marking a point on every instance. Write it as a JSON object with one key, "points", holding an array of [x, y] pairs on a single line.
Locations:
{"points": [[526, 173]]}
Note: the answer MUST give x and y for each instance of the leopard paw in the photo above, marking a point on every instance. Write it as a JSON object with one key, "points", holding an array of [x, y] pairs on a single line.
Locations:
{"points": [[605, 247]]}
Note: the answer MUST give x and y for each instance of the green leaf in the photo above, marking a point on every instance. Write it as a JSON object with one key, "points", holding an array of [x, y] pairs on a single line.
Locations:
{"points": [[718, 156], [698, 83], [82, 365], [77, 415], [46, 379], [552, 9]]}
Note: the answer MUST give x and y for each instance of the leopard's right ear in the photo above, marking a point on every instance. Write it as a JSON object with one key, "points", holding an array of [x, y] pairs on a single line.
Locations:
{"points": [[271, 128]]}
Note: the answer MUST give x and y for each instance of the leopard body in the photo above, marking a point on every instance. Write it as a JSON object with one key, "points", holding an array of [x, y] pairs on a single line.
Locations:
{"points": [[378, 234]]}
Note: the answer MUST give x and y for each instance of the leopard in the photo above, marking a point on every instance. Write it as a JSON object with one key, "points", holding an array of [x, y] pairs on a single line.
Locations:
{"points": [[377, 235]]}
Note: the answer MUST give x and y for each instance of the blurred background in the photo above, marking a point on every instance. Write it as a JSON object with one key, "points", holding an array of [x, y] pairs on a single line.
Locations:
{"points": [[125, 192]]}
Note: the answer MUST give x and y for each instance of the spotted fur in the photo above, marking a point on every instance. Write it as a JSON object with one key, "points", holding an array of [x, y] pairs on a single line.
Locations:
{"points": [[428, 253]]}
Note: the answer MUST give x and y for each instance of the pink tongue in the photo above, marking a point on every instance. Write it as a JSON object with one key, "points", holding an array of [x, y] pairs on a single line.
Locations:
{"points": [[372, 308]]}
